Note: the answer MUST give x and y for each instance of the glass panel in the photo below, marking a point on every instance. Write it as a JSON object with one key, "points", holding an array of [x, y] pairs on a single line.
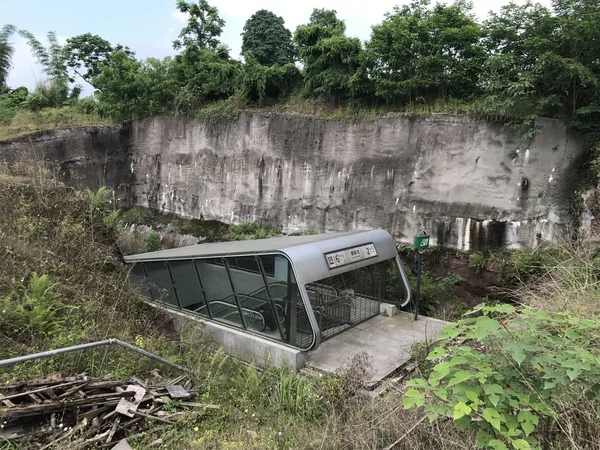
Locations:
{"points": [[219, 294], [253, 297], [288, 301], [160, 283], [138, 279], [188, 287]]}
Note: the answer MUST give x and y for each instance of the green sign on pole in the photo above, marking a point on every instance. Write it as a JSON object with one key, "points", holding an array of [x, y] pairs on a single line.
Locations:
{"points": [[421, 241]]}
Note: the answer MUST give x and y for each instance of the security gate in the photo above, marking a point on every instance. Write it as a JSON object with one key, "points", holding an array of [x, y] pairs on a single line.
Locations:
{"points": [[345, 300]]}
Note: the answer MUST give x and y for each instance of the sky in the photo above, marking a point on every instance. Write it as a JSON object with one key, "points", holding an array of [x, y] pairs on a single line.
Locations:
{"points": [[149, 27]]}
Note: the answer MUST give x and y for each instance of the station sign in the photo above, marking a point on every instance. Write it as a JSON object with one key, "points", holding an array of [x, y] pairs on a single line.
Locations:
{"points": [[350, 255]]}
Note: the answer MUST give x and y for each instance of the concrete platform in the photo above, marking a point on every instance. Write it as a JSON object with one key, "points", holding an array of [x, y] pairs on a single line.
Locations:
{"points": [[387, 340]]}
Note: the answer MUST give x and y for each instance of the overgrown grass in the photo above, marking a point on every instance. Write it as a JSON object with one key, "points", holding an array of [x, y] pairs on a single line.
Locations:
{"points": [[25, 122], [63, 283]]}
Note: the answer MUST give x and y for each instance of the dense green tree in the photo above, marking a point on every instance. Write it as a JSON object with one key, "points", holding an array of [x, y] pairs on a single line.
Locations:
{"points": [[266, 36], [323, 24], [206, 75], [131, 89], [204, 25], [330, 58], [85, 54], [259, 83], [545, 62], [6, 54], [426, 52]]}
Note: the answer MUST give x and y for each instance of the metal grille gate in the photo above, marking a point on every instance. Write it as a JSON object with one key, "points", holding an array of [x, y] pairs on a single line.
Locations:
{"points": [[345, 300]]}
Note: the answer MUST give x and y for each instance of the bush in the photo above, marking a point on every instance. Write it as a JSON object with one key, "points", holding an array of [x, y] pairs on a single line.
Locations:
{"points": [[477, 262], [249, 230], [34, 312], [517, 378]]}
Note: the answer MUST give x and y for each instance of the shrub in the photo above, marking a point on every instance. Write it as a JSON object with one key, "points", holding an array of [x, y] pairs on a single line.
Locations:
{"points": [[477, 262], [152, 241], [35, 312], [249, 230], [517, 377]]}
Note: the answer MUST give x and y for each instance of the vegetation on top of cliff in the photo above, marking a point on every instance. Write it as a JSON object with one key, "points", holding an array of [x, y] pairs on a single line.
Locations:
{"points": [[521, 62]]}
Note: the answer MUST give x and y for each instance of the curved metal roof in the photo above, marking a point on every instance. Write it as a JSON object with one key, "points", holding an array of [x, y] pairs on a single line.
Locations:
{"points": [[306, 253]]}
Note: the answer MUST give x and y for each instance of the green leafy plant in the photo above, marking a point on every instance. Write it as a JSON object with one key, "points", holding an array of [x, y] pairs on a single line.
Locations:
{"points": [[37, 311], [477, 262], [515, 372], [152, 241]]}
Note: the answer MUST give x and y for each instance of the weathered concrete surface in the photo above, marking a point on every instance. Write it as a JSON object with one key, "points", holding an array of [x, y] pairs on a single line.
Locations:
{"points": [[472, 183], [242, 345], [94, 156], [386, 340]]}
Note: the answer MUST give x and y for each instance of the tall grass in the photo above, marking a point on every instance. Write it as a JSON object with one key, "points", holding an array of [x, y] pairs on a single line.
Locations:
{"points": [[25, 122]]}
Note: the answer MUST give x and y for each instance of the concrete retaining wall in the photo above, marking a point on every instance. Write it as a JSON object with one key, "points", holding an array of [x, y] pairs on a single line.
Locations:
{"points": [[472, 183]]}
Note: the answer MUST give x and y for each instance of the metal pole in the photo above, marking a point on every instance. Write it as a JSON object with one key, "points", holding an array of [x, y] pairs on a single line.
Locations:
{"points": [[261, 268], [418, 293], [59, 351]]}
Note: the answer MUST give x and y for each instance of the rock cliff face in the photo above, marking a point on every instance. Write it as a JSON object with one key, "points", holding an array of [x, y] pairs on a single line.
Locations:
{"points": [[471, 183]]}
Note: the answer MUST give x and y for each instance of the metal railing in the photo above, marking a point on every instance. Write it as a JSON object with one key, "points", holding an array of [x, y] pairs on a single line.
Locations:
{"points": [[75, 348]]}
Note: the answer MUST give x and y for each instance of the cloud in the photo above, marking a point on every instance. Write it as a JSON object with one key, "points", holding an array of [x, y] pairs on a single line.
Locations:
{"points": [[180, 16]]}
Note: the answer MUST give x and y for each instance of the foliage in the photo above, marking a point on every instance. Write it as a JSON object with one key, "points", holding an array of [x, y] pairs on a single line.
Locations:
{"points": [[205, 76], [330, 59], [204, 25], [132, 89], [523, 370], [52, 59], [266, 36], [425, 52], [249, 230], [260, 82], [35, 310], [19, 122], [6, 53], [152, 242], [477, 262], [86, 53]]}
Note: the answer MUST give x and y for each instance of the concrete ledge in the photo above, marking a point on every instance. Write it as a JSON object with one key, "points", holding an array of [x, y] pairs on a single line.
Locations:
{"points": [[247, 347]]}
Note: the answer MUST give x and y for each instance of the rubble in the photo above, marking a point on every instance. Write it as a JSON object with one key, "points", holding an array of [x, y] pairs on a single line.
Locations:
{"points": [[91, 412]]}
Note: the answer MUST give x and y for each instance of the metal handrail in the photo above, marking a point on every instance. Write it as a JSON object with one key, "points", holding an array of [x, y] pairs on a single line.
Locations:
{"points": [[74, 348]]}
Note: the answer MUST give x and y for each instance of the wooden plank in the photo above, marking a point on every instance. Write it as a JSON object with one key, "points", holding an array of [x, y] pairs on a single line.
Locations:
{"points": [[7, 402], [99, 399], [113, 429], [200, 405], [35, 391]]}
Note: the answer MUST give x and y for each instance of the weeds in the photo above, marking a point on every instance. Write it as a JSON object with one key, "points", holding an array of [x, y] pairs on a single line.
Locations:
{"points": [[477, 262], [24, 122]]}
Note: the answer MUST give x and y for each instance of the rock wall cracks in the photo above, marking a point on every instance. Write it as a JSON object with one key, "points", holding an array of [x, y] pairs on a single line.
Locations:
{"points": [[472, 183]]}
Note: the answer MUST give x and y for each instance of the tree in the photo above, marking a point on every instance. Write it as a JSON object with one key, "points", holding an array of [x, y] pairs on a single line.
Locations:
{"points": [[259, 82], [6, 53], [132, 89], [52, 59], [427, 52], [323, 24], [86, 53], [331, 60], [206, 75], [54, 91], [266, 36], [204, 25]]}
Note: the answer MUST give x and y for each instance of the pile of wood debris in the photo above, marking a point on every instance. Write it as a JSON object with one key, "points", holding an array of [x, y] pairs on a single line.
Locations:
{"points": [[91, 412]]}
